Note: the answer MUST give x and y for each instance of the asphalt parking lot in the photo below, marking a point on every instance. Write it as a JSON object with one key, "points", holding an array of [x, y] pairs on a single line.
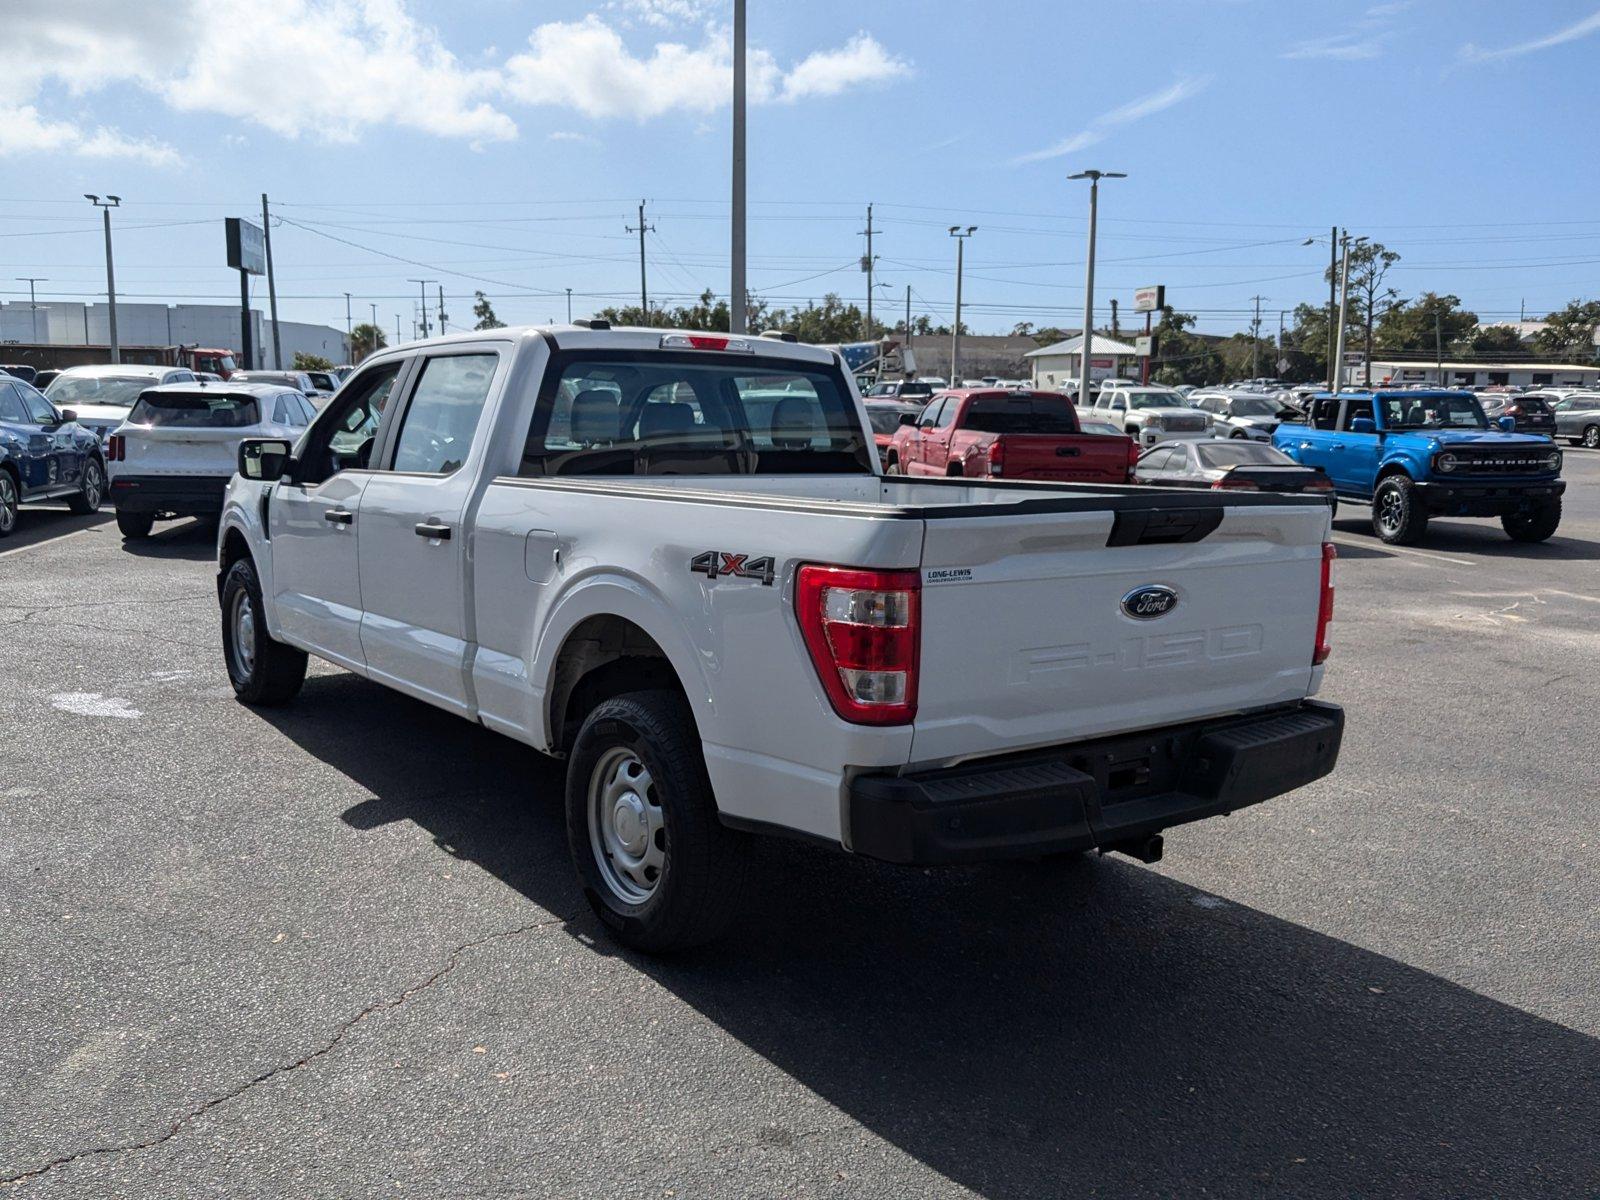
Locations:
{"points": [[338, 949]]}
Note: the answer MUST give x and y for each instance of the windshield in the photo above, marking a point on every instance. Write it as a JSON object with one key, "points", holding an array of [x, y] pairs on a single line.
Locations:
{"points": [[1152, 400], [695, 414], [194, 411], [885, 418], [114, 391], [1432, 412], [1222, 455], [1251, 406], [916, 389], [1022, 413]]}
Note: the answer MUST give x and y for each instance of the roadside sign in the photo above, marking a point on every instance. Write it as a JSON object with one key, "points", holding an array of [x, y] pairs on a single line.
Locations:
{"points": [[1150, 299], [1354, 358], [247, 249], [1283, 365], [1144, 345]]}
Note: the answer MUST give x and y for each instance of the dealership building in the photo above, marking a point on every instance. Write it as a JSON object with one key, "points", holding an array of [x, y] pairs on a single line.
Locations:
{"points": [[214, 326]]}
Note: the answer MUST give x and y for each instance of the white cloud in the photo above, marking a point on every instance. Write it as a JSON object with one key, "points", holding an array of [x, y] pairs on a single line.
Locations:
{"points": [[1346, 47], [585, 65], [24, 131], [1135, 110], [568, 135], [664, 14], [1571, 33]]}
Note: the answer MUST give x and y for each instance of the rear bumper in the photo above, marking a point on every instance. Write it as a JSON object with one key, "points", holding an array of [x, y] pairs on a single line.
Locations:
{"points": [[1104, 793], [1486, 499], [181, 495]]}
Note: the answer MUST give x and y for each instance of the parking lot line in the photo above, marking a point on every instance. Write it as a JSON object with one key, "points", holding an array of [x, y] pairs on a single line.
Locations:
{"points": [[1436, 559], [47, 542]]}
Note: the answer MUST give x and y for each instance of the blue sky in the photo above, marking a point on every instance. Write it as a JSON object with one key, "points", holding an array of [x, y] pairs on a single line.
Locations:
{"points": [[504, 145]]}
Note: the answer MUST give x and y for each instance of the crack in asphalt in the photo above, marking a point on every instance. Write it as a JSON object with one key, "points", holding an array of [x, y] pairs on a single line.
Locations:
{"points": [[182, 1122], [34, 610]]}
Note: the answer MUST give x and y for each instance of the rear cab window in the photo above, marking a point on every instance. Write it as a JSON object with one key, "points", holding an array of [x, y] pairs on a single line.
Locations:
{"points": [[1022, 413], [631, 413]]}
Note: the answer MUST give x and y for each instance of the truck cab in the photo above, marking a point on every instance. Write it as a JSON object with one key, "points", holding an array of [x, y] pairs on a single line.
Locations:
{"points": [[1414, 455]]}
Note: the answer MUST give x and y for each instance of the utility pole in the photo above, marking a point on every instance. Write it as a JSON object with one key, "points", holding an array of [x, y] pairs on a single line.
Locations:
{"points": [[423, 284], [961, 236], [106, 206], [1282, 357], [738, 300], [1333, 307], [272, 284], [441, 310], [1255, 342], [569, 306], [349, 329], [1344, 308], [1094, 178], [33, 309], [397, 335], [644, 291], [868, 264]]}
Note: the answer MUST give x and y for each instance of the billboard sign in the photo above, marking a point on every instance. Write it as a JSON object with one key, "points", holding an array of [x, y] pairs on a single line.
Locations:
{"points": [[1144, 345], [1150, 299], [247, 249]]}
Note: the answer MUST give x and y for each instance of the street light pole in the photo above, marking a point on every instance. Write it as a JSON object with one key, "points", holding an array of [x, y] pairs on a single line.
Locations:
{"points": [[738, 303], [961, 236], [1087, 349], [569, 306], [33, 309], [1345, 243], [349, 329], [106, 206]]}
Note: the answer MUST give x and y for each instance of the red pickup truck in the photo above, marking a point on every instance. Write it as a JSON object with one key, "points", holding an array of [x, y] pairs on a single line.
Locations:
{"points": [[1002, 433]]}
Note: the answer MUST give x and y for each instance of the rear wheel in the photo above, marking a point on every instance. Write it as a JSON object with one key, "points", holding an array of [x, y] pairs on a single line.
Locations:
{"points": [[1591, 436], [1397, 518], [657, 866], [892, 467], [8, 503], [263, 671], [91, 490], [1238, 433], [135, 526], [1536, 525]]}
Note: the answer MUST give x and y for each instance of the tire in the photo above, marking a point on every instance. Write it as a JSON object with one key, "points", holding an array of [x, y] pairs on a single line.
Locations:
{"points": [[263, 671], [135, 526], [1591, 437], [92, 491], [1238, 433], [1536, 526], [892, 467], [657, 866], [10, 500], [1397, 518]]}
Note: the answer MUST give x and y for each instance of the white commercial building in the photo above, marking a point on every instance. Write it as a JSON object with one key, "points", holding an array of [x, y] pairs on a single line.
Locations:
{"points": [[1058, 366], [214, 326], [1476, 374]]}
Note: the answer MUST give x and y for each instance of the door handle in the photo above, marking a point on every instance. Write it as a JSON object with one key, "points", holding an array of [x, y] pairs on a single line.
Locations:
{"points": [[339, 516], [432, 529], [1336, 446], [1306, 446]]}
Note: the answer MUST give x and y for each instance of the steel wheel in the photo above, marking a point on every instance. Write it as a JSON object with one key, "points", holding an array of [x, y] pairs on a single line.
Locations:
{"points": [[242, 625], [627, 829], [1591, 437]]}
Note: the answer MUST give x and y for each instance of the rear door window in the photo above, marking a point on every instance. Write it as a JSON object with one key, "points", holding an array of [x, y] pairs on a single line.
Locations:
{"points": [[11, 407], [195, 410]]}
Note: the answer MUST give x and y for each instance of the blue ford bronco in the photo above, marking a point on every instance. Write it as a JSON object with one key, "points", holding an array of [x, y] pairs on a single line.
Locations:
{"points": [[1415, 454]]}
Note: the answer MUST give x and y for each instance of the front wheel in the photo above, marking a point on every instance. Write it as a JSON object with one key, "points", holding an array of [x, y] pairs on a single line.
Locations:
{"points": [[1536, 525], [135, 525], [91, 490], [656, 865], [262, 670], [1238, 433], [1397, 517]]}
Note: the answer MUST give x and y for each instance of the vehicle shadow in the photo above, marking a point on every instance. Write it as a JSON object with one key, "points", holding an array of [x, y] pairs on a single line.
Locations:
{"points": [[191, 540], [1029, 1032], [1489, 540], [42, 523]]}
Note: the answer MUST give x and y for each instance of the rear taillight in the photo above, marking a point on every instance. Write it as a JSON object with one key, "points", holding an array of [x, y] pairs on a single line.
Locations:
{"points": [[1325, 606], [1133, 457], [1234, 485], [116, 448], [863, 630], [997, 457], [1320, 485]]}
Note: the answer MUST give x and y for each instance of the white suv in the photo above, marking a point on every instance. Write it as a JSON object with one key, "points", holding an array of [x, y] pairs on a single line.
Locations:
{"points": [[1151, 414]]}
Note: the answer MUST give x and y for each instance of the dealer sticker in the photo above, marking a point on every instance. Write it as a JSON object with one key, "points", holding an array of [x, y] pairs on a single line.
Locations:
{"points": [[947, 575]]}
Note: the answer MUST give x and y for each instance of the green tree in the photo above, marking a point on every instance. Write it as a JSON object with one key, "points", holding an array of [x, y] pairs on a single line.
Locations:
{"points": [[484, 311], [1413, 326], [366, 339], [1569, 333], [1500, 340], [1182, 356], [310, 362], [1370, 296]]}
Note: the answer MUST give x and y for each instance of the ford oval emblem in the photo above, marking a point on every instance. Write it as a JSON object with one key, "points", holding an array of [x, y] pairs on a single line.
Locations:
{"points": [[1150, 602]]}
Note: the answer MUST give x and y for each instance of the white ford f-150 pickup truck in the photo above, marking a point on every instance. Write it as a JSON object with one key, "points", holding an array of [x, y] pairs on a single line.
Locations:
{"points": [[673, 559]]}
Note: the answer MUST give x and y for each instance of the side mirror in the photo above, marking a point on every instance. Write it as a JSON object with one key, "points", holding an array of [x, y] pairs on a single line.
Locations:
{"points": [[1363, 425], [68, 415], [264, 459], [909, 418], [1507, 424]]}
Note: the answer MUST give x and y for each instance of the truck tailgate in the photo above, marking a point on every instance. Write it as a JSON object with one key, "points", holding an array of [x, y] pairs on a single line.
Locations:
{"points": [[1076, 457], [1025, 641]]}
